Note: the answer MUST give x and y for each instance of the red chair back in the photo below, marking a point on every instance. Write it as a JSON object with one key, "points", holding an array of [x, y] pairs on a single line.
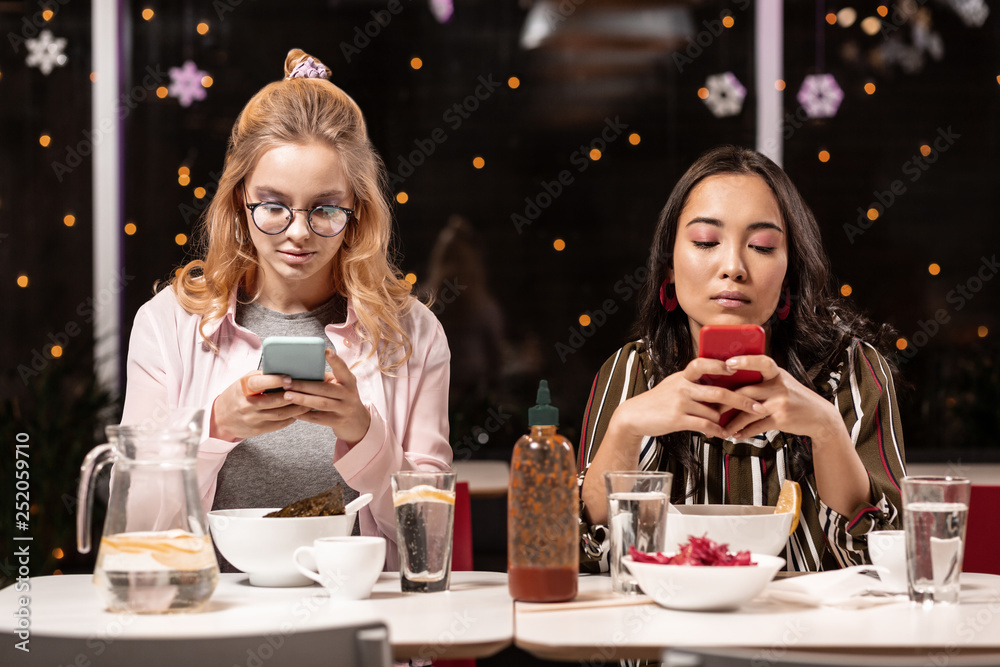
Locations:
{"points": [[461, 551], [982, 533]]}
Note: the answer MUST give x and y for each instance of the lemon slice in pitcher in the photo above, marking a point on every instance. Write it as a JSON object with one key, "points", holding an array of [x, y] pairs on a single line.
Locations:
{"points": [[423, 493], [790, 500]]}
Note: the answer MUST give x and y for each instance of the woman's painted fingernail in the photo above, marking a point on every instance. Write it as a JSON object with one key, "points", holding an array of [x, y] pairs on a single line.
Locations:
{"points": [[758, 408], [731, 362], [288, 395], [287, 382]]}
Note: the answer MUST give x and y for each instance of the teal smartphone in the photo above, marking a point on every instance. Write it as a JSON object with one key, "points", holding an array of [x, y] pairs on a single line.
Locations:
{"points": [[301, 357]]}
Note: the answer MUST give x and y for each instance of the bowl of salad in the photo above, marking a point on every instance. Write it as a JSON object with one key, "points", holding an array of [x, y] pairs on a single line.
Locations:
{"points": [[702, 575]]}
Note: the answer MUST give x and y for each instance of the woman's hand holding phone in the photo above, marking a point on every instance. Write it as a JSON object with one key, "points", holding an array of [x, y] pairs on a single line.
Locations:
{"points": [[259, 403], [333, 402], [245, 408], [781, 401], [787, 404], [682, 403]]}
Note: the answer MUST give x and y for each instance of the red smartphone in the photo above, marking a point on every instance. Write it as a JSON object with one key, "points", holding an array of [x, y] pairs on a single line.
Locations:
{"points": [[721, 341]]}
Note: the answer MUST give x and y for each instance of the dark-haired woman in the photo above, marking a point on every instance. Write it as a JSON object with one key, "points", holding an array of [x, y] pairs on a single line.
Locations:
{"points": [[736, 244]]}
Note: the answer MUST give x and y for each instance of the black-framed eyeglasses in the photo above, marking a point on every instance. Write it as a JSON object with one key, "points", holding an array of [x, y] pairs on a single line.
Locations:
{"points": [[273, 217]]}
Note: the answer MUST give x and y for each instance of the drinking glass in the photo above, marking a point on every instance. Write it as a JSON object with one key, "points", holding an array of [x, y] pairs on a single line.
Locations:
{"points": [[934, 518], [425, 513], [637, 516]]}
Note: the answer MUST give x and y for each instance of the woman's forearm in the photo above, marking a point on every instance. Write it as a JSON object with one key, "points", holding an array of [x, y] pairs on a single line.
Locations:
{"points": [[619, 450], [841, 477]]}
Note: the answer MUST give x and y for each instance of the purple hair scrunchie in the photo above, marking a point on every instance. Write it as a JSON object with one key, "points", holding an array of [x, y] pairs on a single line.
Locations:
{"points": [[309, 69]]}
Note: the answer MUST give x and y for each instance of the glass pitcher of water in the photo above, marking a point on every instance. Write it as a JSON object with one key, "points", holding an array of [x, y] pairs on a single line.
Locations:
{"points": [[156, 555]]}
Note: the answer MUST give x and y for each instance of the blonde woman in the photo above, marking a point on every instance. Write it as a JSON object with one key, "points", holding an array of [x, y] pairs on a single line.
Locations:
{"points": [[297, 242]]}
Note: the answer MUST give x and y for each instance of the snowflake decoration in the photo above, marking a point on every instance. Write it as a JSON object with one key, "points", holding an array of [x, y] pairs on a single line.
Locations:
{"points": [[442, 10], [725, 94], [185, 83], [46, 53], [972, 12], [820, 96]]}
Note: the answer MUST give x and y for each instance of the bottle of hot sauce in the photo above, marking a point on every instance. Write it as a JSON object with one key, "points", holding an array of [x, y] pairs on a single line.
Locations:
{"points": [[543, 556]]}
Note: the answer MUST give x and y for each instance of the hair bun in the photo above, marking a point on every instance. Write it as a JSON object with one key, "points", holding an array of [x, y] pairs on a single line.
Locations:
{"points": [[301, 65]]}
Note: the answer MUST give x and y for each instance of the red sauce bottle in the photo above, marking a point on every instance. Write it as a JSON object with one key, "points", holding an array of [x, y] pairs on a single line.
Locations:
{"points": [[543, 557]]}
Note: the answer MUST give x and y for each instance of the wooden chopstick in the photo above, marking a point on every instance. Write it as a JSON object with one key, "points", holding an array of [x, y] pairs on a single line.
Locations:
{"points": [[587, 601]]}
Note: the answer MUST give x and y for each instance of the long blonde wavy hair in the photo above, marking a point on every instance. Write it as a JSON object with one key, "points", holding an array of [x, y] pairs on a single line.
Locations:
{"points": [[298, 111]]}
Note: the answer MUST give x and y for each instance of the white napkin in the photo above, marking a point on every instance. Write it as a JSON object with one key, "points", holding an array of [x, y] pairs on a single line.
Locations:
{"points": [[849, 588]]}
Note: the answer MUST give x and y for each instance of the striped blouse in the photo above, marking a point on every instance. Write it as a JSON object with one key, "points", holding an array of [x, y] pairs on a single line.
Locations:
{"points": [[751, 471]]}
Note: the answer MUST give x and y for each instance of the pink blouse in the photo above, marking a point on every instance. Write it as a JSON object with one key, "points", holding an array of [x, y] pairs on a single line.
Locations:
{"points": [[170, 366]]}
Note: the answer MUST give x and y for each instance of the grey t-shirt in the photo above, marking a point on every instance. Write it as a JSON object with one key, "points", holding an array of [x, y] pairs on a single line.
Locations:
{"points": [[278, 468]]}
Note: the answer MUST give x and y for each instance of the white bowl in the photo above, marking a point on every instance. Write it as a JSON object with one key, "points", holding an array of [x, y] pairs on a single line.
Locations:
{"points": [[704, 587], [263, 546], [752, 528]]}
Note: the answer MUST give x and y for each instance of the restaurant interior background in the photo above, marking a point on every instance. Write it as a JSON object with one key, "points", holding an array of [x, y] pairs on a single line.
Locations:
{"points": [[530, 147]]}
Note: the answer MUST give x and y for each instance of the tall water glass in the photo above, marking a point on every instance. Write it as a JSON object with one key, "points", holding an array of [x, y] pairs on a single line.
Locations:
{"points": [[425, 514], [934, 518], [637, 516]]}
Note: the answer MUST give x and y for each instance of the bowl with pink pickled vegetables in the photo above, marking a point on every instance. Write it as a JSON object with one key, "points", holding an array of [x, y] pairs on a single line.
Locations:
{"points": [[702, 575]]}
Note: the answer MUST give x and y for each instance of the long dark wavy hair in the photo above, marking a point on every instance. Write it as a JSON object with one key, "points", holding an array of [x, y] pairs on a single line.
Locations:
{"points": [[807, 343]]}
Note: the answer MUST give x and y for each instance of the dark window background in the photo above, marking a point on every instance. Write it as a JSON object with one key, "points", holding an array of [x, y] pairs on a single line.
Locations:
{"points": [[509, 299]]}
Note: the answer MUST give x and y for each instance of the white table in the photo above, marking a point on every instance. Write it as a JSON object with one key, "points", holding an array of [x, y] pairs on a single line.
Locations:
{"points": [[768, 628], [473, 619], [487, 479]]}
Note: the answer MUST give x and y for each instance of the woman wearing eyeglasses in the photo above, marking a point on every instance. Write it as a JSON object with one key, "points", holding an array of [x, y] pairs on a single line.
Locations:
{"points": [[297, 244]]}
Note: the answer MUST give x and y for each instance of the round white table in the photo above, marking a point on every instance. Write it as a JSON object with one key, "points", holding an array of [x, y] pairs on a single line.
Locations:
{"points": [[473, 619], [602, 626]]}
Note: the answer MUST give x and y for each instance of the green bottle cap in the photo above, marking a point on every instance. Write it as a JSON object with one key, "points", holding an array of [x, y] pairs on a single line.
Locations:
{"points": [[543, 414]]}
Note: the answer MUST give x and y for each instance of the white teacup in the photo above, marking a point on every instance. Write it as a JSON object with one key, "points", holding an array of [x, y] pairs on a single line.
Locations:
{"points": [[887, 549], [348, 567]]}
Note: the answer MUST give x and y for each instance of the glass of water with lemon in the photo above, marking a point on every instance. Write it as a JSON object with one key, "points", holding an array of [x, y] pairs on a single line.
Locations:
{"points": [[425, 512]]}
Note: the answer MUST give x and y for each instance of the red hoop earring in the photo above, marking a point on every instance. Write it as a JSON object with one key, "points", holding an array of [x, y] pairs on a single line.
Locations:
{"points": [[668, 296], [784, 304]]}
